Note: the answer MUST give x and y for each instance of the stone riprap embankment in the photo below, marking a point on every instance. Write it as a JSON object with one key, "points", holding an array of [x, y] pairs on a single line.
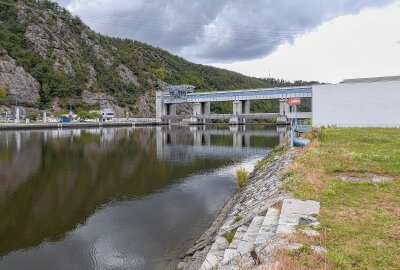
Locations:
{"points": [[260, 216], [261, 193]]}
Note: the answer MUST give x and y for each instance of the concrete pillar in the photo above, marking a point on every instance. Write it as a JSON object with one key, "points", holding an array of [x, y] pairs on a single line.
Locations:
{"points": [[237, 107], [44, 117], [167, 109], [240, 107], [245, 109], [197, 109], [207, 108], [17, 115], [281, 107], [171, 109], [284, 108], [246, 106], [160, 110]]}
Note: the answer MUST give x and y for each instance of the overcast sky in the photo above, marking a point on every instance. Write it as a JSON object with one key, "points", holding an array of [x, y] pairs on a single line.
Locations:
{"points": [[321, 40]]}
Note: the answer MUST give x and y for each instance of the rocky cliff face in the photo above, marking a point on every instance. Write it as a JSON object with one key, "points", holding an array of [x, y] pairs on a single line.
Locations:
{"points": [[17, 82], [49, 37]]}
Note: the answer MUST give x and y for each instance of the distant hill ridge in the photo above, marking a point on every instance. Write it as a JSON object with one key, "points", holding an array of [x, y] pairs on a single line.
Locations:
{"points": [[51, 59]]}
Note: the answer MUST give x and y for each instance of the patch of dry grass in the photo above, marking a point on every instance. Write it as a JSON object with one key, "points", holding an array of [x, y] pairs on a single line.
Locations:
{"points": [[302, 259]]}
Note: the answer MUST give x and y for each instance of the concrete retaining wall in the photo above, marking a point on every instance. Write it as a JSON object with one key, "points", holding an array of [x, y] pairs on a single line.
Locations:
{"points": [[71, 125]]}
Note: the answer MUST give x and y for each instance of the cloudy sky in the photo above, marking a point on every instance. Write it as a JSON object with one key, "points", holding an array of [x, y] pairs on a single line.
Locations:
{"points": [[321, 40]]}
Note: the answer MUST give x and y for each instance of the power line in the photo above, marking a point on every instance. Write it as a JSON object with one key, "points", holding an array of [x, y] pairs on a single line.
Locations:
{"points": [[245, 33], [233, 35], [185, 28], [191, 23]]}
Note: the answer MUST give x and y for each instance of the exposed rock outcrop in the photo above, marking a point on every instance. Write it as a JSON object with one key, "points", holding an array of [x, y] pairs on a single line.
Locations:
{"points": [[92, 76], [146, 104], [97, 48], [105, 101], [18, 83], [37, 40], [127, 76]]}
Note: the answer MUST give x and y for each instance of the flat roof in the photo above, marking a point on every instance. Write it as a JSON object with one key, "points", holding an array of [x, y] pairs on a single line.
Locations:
{"points": [[373, 79]]}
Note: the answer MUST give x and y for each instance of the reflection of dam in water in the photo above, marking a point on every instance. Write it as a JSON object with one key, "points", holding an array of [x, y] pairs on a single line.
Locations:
{"points": [[186, 144]]}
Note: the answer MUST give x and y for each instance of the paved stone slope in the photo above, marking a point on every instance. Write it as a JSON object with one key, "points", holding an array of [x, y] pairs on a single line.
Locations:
{"points": [[255, 200], [257, 242]]}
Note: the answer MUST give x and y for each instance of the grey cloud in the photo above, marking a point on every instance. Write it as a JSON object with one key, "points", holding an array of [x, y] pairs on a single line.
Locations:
{"points": [[213, 30]]}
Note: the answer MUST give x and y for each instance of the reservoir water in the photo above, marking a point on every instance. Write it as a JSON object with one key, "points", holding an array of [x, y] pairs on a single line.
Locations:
{"points": [[117, 198]]}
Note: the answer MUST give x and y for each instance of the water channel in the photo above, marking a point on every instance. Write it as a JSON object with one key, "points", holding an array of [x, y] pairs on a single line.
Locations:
{"points": [[117, 198]]}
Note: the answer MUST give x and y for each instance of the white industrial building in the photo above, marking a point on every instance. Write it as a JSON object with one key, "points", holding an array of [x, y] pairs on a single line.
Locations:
{"points": [[371, 102]]}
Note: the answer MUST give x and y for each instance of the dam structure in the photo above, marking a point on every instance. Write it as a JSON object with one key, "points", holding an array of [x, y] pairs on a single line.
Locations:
{"points": [[201, 102], [363, 102]]}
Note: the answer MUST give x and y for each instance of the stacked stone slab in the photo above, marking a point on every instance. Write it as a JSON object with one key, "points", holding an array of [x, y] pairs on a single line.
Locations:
{"points": [[261, 237], [268, 228], [245, 240], [261, 229], [296, 212], [216, 254], [232, 252]]}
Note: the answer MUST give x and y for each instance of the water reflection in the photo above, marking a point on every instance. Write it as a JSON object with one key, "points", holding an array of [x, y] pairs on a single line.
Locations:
{"points": [[115, 198], [184, 144]]}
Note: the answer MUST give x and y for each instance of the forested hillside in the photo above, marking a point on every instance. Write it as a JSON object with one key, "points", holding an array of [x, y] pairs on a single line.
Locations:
{"points": [[49, 59]]}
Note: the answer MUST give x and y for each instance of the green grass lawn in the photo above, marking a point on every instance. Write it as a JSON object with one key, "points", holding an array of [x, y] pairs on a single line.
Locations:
{"points": [[360, 222]]}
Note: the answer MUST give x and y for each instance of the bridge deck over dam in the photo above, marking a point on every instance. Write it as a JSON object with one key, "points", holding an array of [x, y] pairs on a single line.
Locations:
{"points": [[242, 95]]}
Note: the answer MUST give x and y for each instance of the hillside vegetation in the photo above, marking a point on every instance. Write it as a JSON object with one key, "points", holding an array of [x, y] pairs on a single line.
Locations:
{"points": [[65, 63]]}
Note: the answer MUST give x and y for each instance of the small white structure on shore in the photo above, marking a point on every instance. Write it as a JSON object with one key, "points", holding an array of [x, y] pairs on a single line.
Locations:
{"points": [[369, 102], [107, 114]]}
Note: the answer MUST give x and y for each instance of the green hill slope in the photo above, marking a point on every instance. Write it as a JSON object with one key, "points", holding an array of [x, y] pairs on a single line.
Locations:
{"points": [[51, 59]]}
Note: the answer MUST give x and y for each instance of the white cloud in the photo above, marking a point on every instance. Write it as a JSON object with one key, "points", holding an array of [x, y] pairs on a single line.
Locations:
{"points": [[363, 45]]}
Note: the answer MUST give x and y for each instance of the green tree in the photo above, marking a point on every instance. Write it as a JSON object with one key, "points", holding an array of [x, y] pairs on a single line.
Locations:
{"points": [[3, 91], [88, 115], [32, 116]]}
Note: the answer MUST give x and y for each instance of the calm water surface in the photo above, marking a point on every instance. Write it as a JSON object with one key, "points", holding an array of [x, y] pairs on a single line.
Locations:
{"points": [[116, 198]]}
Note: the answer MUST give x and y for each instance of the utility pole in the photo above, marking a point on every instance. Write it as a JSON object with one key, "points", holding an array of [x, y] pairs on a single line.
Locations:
{"points": [[17, 110]]}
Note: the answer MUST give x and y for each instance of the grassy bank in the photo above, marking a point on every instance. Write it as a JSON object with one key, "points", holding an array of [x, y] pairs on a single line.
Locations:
{"points": [[360, 221]]}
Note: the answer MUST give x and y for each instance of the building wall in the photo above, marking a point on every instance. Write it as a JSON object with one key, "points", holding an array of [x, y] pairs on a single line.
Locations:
{"points": [[371, 104]]}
